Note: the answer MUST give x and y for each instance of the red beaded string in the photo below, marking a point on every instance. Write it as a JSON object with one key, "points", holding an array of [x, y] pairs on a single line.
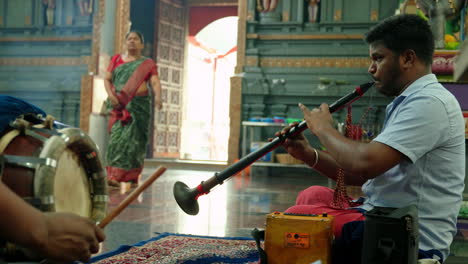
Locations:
{"points": [[340, 196]]}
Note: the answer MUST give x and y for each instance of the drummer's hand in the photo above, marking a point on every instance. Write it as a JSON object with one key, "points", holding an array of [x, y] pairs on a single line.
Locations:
{"points": [[296, 145], [71, 237], [317, 118]]}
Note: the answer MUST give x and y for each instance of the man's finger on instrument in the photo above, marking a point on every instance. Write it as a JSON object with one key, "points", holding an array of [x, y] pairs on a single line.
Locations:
{"points": [[324, 107], [303, 108]]}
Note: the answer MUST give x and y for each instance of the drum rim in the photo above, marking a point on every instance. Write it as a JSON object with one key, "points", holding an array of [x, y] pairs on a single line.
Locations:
{"points": [[72, 138]]}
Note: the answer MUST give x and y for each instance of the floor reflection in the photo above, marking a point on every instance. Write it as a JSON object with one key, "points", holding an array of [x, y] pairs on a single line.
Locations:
{"points": [[231, 209]]}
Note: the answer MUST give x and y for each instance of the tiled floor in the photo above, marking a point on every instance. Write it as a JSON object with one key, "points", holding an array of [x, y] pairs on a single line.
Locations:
{"points": [[231, 209]]}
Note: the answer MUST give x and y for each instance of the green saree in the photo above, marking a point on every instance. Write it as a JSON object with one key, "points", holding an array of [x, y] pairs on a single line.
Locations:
{"points": [[129, 123]]}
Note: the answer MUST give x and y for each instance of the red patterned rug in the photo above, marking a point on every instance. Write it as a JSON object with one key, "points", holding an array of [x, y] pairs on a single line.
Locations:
{"points": [[169, 248]]}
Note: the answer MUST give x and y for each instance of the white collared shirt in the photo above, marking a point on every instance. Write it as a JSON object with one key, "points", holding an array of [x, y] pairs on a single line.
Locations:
{"points": [[427, 126]]}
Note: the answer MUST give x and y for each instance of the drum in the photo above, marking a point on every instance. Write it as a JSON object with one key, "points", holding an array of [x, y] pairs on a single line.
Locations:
{"points": [[55, 170]]}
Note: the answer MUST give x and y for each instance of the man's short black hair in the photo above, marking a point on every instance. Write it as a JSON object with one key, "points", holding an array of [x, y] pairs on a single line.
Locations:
{"points": [[402, 32]]}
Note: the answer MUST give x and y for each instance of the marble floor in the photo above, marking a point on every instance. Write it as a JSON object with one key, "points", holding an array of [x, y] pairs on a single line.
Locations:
{"points": [[231, 209]]}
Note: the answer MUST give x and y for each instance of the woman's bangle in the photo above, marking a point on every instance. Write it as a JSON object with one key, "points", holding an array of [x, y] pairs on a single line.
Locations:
{"points": [[316, 158]]}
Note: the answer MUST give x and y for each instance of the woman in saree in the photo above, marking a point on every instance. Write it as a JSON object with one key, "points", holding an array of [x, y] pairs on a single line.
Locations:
{"points": [[130, 104]]}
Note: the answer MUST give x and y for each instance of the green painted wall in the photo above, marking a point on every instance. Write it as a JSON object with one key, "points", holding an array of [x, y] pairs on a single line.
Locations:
{"points": [[282, 49], [42, 62]]}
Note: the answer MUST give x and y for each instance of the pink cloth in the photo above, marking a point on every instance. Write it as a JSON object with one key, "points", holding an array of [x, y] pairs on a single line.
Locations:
{"points": [[317, 200]]}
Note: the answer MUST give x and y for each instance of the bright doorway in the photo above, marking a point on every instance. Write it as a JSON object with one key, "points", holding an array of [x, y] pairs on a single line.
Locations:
{"points": [[211, 59]]}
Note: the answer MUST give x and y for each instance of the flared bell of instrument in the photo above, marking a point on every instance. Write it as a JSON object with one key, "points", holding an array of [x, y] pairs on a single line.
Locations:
{"points": [[185, 198]]}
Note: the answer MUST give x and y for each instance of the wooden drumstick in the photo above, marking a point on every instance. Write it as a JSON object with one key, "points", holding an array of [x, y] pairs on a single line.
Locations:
{"points": [[132, 196]]}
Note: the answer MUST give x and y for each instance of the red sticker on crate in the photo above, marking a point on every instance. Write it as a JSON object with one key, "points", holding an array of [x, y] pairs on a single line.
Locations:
{"points": [[296, 240]]}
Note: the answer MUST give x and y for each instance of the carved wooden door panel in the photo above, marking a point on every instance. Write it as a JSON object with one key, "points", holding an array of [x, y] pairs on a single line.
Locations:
{"points": [[169, 47]]}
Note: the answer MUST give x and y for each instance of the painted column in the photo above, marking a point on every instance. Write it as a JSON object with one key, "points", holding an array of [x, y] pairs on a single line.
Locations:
{"points": [[235, 104], [251, 10], [286, 15], [300, 11], [103, 49], [107, 35]]}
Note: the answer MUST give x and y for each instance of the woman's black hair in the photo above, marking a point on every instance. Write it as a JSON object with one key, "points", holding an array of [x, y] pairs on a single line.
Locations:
{"points": [[138, 34]]}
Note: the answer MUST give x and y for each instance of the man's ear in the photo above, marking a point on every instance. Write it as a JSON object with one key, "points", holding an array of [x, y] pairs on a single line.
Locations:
{"points": [[408, 58]]}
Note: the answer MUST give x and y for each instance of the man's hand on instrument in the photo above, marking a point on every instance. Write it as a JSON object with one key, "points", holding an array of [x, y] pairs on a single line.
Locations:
{"points": [[297, 145], [71, 237], [317, 118]]}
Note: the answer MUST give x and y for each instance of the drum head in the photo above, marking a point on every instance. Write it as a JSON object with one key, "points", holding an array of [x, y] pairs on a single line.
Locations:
{"points": [[72, 187]]}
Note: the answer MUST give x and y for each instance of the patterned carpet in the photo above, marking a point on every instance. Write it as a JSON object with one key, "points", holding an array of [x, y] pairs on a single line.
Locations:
{"points": [[168, 248]]}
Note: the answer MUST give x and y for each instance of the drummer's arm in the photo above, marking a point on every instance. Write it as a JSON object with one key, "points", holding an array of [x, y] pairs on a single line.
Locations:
{"points": [[21, 223], [59, 236]]}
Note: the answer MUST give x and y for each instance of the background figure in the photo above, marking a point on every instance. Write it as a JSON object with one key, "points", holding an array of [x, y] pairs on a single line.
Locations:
{"points": [[49, 9], [268, 11], [267, 5], [85, 7], [313, 8], [439, 12], [130, 106]]}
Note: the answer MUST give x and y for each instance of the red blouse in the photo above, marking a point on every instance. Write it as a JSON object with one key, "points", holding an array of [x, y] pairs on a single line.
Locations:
{"points": [[117, 60]]}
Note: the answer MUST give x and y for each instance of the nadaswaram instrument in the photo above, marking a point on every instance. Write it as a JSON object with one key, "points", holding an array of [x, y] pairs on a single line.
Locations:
{"points": [[187, 198]]}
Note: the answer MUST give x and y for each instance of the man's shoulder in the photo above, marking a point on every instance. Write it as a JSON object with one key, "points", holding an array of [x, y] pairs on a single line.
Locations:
{"points": [[432, 91]]}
